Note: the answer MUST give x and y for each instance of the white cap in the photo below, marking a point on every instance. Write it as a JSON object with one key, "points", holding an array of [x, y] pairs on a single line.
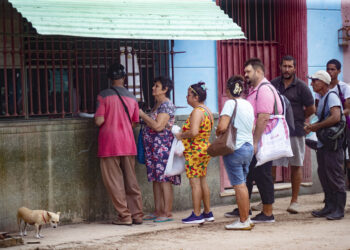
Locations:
{"points": [[321, 75]]}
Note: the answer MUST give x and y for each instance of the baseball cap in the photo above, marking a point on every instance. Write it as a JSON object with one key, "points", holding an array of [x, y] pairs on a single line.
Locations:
{"points": [[321, 75]]}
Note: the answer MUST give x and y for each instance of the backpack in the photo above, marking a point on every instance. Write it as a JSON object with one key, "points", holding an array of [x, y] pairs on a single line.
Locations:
{"points": [[287, 108]]}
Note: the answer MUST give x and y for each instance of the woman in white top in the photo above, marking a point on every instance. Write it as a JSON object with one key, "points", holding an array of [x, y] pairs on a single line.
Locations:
{"points": [[237, 163]]}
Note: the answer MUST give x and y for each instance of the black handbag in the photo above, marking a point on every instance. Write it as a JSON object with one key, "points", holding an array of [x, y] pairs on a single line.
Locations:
{"points": [[332, 137]]}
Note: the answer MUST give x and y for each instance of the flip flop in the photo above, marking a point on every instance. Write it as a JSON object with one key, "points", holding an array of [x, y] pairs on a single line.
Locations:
{"points": [[149, 217], [163, 219]]}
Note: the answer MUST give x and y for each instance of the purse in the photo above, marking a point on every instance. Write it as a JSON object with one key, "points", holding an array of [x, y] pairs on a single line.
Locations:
{"points": [[141, 148], [225, 143], [332, 137]]}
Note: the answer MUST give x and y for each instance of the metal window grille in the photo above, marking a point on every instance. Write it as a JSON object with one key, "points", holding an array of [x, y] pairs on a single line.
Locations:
{"points": [[60, 76], [257, 18], [273, 28]]}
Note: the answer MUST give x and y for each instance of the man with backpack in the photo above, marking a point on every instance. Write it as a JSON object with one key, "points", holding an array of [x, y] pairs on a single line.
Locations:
{"points": [[343, 90], [330, 154], [262, 96], [302, 102]]}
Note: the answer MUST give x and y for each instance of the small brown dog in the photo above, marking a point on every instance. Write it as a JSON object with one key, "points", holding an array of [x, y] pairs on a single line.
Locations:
{"points": [[36, 218]]}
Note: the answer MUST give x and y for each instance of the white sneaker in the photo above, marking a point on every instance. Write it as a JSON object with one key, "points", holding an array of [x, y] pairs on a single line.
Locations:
{"points": [[257, 207], [238, 225], [293, 208], [251, 223]]}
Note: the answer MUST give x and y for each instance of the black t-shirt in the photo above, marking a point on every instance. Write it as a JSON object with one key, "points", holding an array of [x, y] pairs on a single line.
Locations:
{"points": [[300, 96]]}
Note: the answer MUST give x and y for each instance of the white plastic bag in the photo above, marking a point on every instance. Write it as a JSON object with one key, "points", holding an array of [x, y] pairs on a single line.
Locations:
{"points": [[276, 143], [176, 160]]}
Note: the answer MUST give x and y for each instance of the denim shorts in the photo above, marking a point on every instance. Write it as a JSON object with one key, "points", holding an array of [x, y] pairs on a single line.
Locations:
{"points": [[237, 164]]}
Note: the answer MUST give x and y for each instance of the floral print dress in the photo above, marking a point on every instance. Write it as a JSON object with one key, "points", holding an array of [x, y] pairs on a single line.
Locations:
{"points": [[157, 146], [196, 155]]}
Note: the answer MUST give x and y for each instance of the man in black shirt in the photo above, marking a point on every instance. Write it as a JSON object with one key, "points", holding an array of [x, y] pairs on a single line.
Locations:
{"points": [[302, 101]]}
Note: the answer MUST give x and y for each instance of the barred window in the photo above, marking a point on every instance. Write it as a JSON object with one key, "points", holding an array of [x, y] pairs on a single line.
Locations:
{"points": [[60, 76], [255, 17]]}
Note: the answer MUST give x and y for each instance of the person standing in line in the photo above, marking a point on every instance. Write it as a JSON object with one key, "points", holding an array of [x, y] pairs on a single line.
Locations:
{"points": [[343, 89], [262, 95], [330, 161], [157, 138], [117, 113], [195, 138], [302, 101], [237, 163]]}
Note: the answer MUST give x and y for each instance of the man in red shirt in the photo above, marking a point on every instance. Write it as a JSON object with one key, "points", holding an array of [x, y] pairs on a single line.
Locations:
{"points": [[116, 114]]}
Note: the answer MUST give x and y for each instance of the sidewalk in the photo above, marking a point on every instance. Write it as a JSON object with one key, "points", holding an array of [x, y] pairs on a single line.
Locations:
{"points": [[94, 235]]}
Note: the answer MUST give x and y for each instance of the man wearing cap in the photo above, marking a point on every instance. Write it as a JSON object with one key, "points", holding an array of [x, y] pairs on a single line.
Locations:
{"points": [[116, 114], [302, 101], [329, 161]]}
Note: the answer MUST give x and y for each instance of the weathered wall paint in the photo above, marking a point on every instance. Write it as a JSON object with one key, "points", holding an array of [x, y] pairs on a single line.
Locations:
{"points": [[323, 20], [345, 10], [197, 64]]}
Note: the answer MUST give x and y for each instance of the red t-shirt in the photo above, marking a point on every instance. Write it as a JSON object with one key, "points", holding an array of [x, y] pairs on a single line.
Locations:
{"points": [[116, 137]]}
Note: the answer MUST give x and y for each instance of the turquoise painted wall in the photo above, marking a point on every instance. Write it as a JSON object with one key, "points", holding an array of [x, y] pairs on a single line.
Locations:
{"points": [[323, 21], [197, 64]]}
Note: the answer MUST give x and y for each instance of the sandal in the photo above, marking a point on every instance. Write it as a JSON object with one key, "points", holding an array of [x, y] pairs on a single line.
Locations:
{"points": [[149, 217], [163, 219]]}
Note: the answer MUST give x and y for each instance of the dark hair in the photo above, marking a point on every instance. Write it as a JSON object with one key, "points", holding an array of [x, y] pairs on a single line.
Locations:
{"points": [[235, 84], [288, 58], [256, 63], [335, 62], [198, 89], [166, 83], [116, 71]]}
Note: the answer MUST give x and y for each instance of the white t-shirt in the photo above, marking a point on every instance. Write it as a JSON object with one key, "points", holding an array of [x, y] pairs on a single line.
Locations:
{"points": [[344, 88], [244, 121]]}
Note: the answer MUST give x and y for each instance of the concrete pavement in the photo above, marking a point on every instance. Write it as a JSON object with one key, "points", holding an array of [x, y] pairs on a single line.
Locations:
{"points": [[88, 235]]}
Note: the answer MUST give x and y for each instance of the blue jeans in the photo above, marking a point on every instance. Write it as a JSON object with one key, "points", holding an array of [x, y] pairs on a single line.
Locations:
{"points": [[237, 164]]}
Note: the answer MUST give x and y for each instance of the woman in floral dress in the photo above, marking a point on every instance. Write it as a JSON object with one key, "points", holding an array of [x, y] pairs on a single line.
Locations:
{"points": [[195, 137], [157, 138]]}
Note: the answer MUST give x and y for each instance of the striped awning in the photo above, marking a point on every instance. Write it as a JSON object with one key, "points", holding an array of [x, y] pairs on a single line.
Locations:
{"points": [[130, 19]]}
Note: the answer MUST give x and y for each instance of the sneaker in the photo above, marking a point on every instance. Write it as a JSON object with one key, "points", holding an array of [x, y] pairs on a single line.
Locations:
{"points": [[238, 225], [293, 208], [193, 219], [262, 218], [257, 207], [251, 223], [235, 213], [208, 217]]}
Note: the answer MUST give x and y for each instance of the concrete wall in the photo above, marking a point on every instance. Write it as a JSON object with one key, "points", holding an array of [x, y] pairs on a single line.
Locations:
{"points": [[345, 10], [323, 21], [52, 165]]}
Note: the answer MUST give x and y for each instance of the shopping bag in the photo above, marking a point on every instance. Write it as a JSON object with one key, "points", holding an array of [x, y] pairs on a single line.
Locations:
{"points": [[176, 160], [140, 148], [176, 163], [274, 144]]}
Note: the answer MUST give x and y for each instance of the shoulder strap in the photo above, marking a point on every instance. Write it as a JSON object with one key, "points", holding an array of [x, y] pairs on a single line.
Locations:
{"points": [[124, 105], [325, 103], [210, 117], [234, 111], [275, 109]]}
